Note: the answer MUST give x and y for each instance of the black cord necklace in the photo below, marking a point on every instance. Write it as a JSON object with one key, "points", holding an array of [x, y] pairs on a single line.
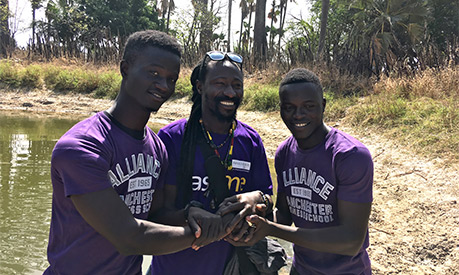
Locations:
{"points": [[227, 163]]}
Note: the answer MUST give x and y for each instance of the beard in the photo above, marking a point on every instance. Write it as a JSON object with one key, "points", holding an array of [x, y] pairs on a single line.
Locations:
{"points": [[225, 117]]}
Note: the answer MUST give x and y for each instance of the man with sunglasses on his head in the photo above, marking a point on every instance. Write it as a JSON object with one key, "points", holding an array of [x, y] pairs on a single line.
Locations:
{"points": [[218, 171]]}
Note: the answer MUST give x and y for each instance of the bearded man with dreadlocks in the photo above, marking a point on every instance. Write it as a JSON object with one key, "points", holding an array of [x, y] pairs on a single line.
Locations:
{"points": [[218, 171]]}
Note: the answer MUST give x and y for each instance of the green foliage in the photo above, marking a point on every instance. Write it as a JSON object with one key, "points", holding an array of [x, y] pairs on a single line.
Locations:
{"points": [[9, 74], [420, 112], [30, 77], [183, 87], [337, 106], [261, 97], [109, 84], [50, 74]]}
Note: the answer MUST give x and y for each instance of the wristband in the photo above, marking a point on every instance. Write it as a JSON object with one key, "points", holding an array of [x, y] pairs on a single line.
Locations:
{"points": [[192, 204], [266, 201]]}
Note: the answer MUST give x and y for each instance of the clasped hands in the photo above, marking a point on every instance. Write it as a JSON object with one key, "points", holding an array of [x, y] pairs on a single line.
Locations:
{"points": [[229, 222]]}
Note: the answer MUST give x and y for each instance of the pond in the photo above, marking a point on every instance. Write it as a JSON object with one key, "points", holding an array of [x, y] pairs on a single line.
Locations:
{"points": [[26, 143]]}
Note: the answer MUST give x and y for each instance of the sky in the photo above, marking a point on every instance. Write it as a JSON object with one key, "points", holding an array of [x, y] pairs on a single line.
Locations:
{"points": [[22, 15]]}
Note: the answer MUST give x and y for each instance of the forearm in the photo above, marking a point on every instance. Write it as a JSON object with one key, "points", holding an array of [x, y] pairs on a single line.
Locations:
{"points": [[150, 238], [169, 217], [334, 239]]}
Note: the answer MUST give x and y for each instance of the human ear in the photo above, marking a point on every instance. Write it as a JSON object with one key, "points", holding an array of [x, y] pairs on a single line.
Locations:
{"points": [[124, 68], [199, 86]]}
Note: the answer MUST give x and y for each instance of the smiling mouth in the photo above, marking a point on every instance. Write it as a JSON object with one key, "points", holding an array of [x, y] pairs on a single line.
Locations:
{"points": [[227, 103], [300, 125], [156, 95]]}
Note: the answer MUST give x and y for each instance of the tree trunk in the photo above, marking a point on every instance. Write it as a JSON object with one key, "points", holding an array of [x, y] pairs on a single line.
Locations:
{"points": [[206, 28], [4, 29], [323, 27], [259, 36], [228, 45]]}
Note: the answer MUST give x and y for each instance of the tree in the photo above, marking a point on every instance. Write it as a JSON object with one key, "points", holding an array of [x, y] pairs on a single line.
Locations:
{"points": [[323, 26], [4, 28], [167, 7], [228, 46], [259, 38], [35, 4], [247, 8]]}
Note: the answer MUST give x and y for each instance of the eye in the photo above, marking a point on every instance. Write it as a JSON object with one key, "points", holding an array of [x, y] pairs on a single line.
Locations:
{"points": [[172, 80], [287, 108], [154, 73]]}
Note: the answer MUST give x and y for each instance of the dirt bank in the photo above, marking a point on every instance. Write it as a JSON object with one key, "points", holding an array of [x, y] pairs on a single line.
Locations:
{"points": [[414, 225]]}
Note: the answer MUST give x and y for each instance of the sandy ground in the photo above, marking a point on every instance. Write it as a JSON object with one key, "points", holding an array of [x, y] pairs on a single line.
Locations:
{"points": [[414, 225]]}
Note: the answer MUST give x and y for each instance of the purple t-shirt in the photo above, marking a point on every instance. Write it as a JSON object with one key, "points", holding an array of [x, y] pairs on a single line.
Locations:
{"points": [[313, 180], [93, 155], [250, 172]]}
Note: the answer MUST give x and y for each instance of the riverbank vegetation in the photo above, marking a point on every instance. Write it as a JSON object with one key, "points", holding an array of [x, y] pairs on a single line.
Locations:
{"points": [[387, 65], [420, 112]]}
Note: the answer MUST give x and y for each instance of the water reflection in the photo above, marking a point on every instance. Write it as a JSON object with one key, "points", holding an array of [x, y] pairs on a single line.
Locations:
{"points": [[25, 190]]}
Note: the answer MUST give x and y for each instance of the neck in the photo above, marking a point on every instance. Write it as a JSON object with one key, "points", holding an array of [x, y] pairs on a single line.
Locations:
{"points": [[215, 125], [132, 118], [315, 138]]}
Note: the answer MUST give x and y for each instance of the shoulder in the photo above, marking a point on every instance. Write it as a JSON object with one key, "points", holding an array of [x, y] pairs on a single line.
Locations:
{"points": [[91, 130], [285, 146], [87, 138], [174, 128], [345, 145], [244, 130]]}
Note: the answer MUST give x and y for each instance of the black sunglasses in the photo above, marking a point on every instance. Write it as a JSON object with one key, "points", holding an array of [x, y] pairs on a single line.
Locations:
{"points": [[218, 56]]}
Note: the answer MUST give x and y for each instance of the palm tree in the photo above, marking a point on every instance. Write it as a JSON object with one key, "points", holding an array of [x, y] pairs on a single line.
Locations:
{"points": [[393, 28], [323, 26], [228, 45], [36, 4], [259, 37], [167, 7], [4, 28]]}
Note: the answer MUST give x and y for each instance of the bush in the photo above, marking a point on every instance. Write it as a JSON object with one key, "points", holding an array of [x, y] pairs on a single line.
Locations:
{"points": [[265, 98], [30, 77], [183, 87], [50, 76], [9, 74], [108, 85]]}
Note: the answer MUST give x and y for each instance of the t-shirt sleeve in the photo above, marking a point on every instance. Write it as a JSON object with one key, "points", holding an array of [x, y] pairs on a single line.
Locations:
{"points": [[82, 167], [278, 160], [355, 176], [261, 174], [164, 162], [172, 156]]}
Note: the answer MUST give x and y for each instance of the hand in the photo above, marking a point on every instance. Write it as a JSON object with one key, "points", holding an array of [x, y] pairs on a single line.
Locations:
{"points": [[245, 203], [207, 227], [258, 229]]}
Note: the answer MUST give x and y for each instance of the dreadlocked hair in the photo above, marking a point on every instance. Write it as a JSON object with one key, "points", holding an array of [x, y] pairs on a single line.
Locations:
{"points": [[190, 137]]}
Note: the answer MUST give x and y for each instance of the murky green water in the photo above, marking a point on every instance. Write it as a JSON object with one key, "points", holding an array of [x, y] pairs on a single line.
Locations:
{"points": [[26, 144], [25, 190]]}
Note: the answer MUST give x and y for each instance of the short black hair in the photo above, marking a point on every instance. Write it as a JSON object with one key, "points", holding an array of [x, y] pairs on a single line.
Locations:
{"points": [[142, 39], [300, 75]]}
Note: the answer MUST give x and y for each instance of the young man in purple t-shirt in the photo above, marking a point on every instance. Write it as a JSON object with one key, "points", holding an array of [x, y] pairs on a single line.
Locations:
{"points": [[325, 180], [108, 171], [212, 144]]}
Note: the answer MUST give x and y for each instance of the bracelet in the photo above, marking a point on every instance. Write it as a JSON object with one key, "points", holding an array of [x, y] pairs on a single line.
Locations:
{"points": [[266, 201], [192, 204], [263, 198]]}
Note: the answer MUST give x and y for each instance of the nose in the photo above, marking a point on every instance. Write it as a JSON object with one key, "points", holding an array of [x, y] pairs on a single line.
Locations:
{"points": [[229, 91], [298, 113], [161, 84]]}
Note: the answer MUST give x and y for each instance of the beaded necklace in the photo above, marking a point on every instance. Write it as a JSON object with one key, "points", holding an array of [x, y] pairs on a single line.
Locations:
{"points": [[227, 163]]}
